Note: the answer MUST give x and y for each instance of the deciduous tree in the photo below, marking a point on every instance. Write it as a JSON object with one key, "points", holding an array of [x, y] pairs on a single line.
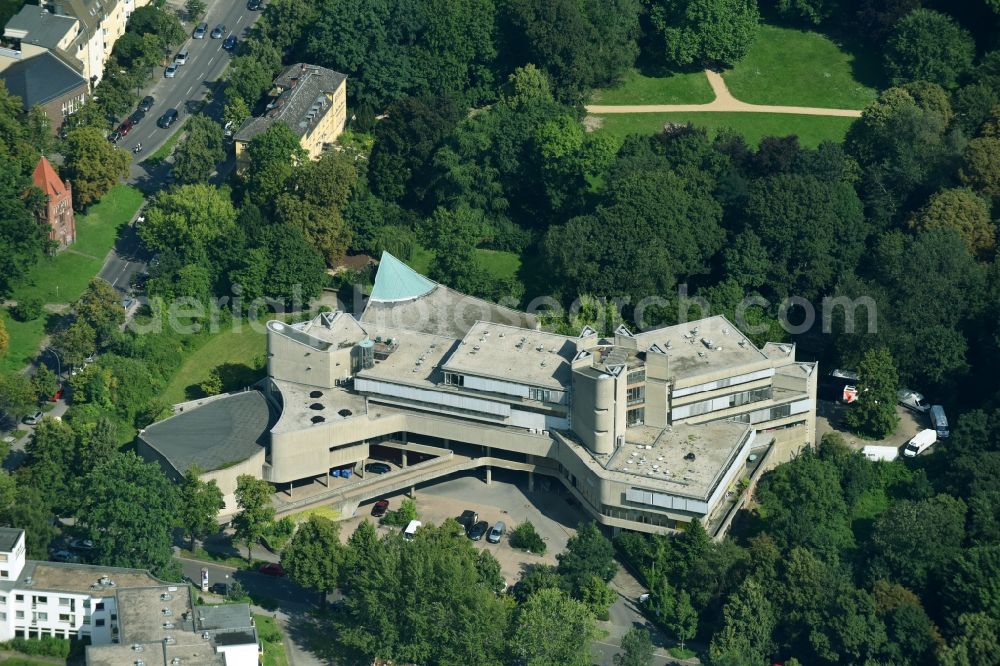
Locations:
{"points": [[704, 32], [188, 220], [197, 156], [93, 164], [874, 413], [637, 649], [964, 211], [199, 503], [928, 46], [255, 511], [552, 629], [315, 555]]}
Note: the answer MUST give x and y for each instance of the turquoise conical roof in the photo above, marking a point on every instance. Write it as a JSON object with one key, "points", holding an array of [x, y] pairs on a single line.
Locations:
{"points": [[395, 281]]}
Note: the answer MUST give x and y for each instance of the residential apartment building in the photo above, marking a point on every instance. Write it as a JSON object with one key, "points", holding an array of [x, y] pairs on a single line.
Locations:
{"points": [[310, 100], [127, 615], [49, 82], [647, 429], [80, 32]]}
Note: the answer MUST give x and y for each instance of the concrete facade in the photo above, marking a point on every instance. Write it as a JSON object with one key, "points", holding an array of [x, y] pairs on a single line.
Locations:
{"points": [[648, 429]]}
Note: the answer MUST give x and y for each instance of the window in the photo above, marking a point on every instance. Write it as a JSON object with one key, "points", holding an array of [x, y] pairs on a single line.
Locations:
{"points": [[637, 376], [99, 622], [86, 619], [3, 616], [65, 617], [41, 617], [86, 603], [636, 395], [99, 606], [41, 600], [64, 601], [3, 598], [19, 615], [541, 395], [3, 573], [635, 416], [3, 557], [781, 411], [746, 397], [454, 379], [18, 597], [114, 616]]}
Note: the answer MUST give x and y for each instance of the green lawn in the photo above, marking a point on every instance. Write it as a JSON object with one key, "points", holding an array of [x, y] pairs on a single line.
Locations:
{"points": [[237, 350], [63, 277], [271, 636], [637, 88], [811, 130], [499, 264], [802, 68]]}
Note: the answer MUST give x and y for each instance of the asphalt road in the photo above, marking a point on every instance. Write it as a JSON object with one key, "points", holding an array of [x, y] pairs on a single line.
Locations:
{"points": [[194, 80]]}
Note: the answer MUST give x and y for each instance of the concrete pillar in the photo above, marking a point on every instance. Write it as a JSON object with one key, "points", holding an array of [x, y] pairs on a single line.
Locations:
{"points": [[404, 457], [289, 491], [413, 492], [531, 481], [489, 475]]}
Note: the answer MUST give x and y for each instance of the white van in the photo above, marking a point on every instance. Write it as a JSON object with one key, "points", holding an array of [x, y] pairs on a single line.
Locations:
{"points": [[411, 529], [920, 442], [886, 453], [939, 421], [181, 57]]}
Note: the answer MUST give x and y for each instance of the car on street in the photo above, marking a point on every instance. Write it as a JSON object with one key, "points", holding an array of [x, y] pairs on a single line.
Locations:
{"points": [[167, 119], [477, 531], [913, 400], [115, 137], [171, 70], [379, 508], [253, 5], [136, 117], [125, 127], [497, 532], [33, 419], [230, 43], [218, 31], [271, 569], [147, 103], [199, 31], [378, 468]]}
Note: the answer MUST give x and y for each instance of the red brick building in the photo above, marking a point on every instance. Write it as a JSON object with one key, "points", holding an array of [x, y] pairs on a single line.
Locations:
{"points": [[59, 209]]}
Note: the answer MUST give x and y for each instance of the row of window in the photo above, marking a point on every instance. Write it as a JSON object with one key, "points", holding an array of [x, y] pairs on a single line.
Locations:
{"points": [[40, 599], [734, 400], [779, 412], [635, 395]]}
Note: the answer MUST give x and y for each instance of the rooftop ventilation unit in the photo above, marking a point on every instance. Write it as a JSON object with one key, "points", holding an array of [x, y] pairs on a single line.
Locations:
{"points": [[707, 342], [670, 345], [168, 625], [166, 597], [175, 661], [169, 640], [742, 343], [167, 611], [136, 647], [206, 635], [140, 662]]}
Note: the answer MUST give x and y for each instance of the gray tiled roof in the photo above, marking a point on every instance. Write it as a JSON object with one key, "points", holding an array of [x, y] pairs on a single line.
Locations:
{"points": [[300, 86], [9, 537], [41, 79], [43, 27], [213, 435]]}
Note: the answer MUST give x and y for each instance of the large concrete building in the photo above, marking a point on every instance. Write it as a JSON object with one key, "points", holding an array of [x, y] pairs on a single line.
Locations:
{"points": [[647, 429], [126, 616], [310, 100]]}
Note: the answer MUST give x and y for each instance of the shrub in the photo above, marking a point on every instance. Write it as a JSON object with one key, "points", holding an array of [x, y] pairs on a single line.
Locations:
{"points": [[526, 538], [27, 308], [278, 535], [47, 646], [401, 518]]}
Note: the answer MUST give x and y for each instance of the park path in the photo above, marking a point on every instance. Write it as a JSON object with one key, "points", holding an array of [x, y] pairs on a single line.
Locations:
{"points": [[723, 102]]}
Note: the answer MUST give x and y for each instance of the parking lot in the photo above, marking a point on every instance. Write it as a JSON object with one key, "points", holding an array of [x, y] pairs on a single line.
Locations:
{"points": [[549, 507], [830, 418]]}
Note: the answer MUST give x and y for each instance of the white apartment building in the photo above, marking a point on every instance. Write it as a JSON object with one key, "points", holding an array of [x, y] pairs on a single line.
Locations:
{"points": [[648, 429], [126, 615]]}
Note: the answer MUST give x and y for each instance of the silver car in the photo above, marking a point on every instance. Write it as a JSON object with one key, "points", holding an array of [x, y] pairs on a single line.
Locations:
{"points": [[497, 532], [171, 70], [912, 400], [200, 30]]}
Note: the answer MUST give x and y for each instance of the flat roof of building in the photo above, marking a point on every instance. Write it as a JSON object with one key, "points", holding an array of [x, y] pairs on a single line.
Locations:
{"points": [[97, 581], [225, 617], [416, 359], [668, 460], [153, 614], [298, 413], [513, 354], [190, 653], [213, 435], [701, 347], [9, 536]]}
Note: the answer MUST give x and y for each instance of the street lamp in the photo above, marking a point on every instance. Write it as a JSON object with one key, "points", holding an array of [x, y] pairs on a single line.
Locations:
{"points": [[58, 361]]}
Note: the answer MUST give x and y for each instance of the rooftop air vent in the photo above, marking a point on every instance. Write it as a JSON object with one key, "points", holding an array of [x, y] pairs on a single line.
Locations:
{"points": [[169, 640], [317, 419], [315, 394], [168, 625], [206, 635], [136, 647], [166, 597], [345, 412], [167, 611], [175, 661], [707, 342], [689, 457], [316, 406]]}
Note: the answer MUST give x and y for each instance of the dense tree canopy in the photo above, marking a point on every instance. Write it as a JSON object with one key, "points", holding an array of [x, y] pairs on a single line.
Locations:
{"points": [[704, 32], [928, 46]]}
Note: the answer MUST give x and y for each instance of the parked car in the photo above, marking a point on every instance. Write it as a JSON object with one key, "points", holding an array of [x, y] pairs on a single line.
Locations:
{"points": [[147, 103], [271, 569], [125, 127], [33, 419], [920, 442], [253, 5], [64, 556], [230, 43], [939, 421], [55, 397], [137, 116], [220, 588], [218, 31], [378, 468], [199, 30], [167, 119], [468, 519], [477, 531], [497, 532], [81, 544], [181, 58], [912, 400], [380, 507], [115, 137], [411, 529], [171, 70]]}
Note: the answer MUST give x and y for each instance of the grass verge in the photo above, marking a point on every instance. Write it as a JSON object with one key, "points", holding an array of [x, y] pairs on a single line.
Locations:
{"points": [[63, 277], [271, 638], [803, 68], [637, 88], [163, 152], [681, 653], [811, 130], [234, 351], [497, 263], [324, 511]]}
